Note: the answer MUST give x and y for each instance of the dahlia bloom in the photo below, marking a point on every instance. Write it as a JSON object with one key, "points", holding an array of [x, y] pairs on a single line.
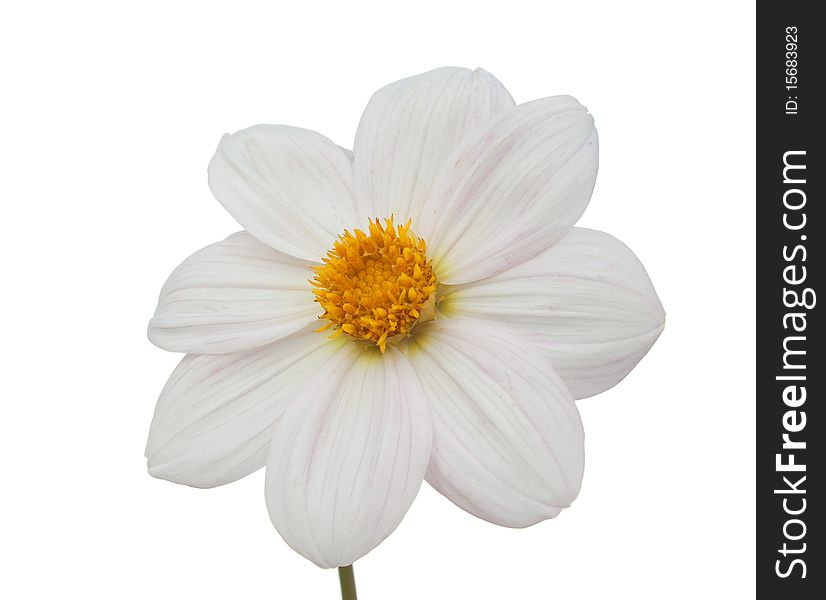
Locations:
{"points": [[420, 308]]}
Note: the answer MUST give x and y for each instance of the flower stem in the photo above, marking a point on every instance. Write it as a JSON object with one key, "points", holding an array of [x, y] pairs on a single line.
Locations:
{"points": [[348, 583]]}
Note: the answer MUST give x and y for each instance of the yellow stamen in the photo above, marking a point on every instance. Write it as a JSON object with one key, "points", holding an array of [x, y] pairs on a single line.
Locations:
{"points": [[374, 285]]}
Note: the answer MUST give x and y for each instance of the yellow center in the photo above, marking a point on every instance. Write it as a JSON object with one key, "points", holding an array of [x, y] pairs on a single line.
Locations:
{"points": [[375, 285]]}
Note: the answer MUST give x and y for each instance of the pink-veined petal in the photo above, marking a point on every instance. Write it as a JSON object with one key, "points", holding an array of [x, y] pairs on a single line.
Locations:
{"points": [[231, 296], [346, 462], [409, 129], [291, 188], [511, 191], [587, 302], [216, 414], [507, 437]]}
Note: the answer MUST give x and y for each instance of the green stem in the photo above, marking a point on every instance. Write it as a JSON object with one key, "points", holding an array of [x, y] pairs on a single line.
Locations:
{"points": [[348, 583]]}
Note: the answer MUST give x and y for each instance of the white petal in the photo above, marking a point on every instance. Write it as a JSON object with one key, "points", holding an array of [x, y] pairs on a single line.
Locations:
{"points": [[216, 415], [409, 129], [231, 296], [516, 188], [289, 187], [586, 301], [507, 437], [347, 153], [346, 463]]}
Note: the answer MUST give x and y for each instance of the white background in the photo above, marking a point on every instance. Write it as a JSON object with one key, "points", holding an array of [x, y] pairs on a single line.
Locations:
{"points": [[109, 117]]}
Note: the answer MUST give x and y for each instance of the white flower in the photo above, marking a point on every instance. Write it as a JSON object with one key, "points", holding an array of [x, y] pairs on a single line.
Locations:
{"points": [[457, 361]]}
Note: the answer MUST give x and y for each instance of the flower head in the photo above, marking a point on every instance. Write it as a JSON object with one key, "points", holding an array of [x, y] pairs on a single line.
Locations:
{"points": [[420, 308], [374, 286]]}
